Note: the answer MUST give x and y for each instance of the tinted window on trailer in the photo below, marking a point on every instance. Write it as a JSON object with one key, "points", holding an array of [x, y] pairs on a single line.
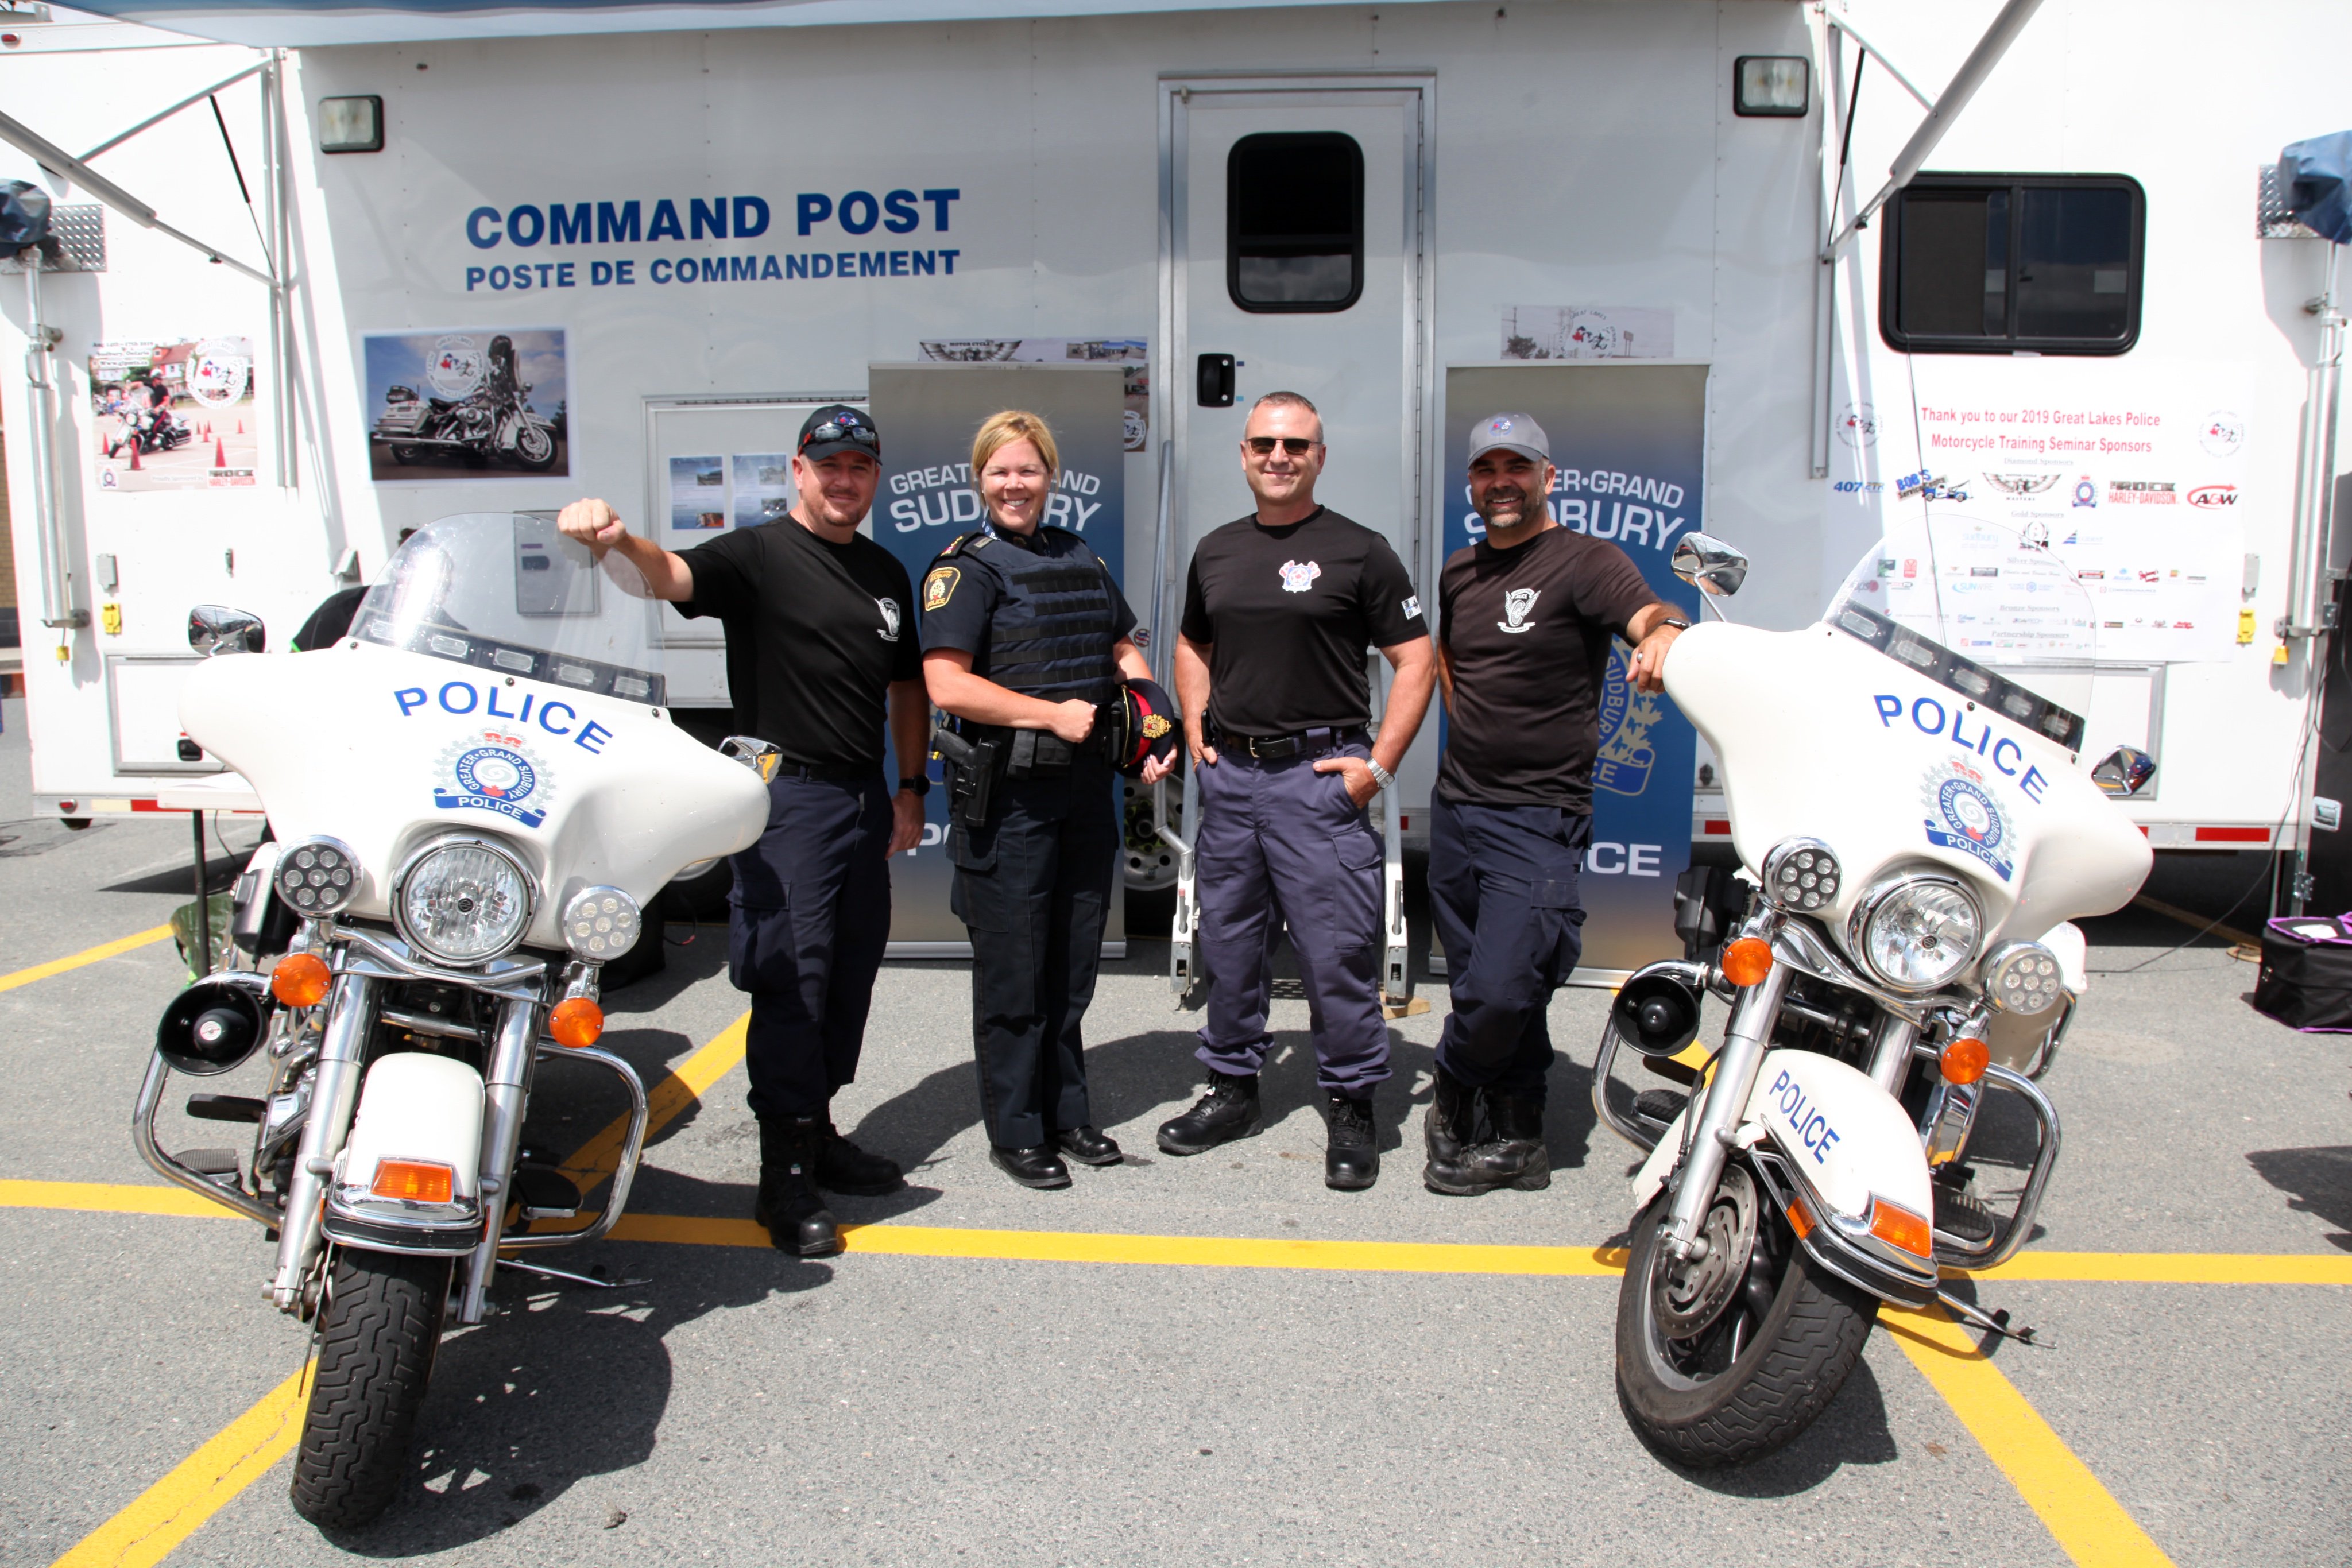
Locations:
{"points": [[1295, 221], [1995, 264]]}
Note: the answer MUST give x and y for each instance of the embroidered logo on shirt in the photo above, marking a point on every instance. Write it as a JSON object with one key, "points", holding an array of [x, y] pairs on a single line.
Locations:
{"points": [[940, 587], [1412, 608], [890, 629], [1516, 604], [1299, 576]]}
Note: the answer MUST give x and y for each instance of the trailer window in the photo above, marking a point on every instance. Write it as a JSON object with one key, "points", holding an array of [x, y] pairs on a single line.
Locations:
{"points": [[1294, 222], [1997, 263]]}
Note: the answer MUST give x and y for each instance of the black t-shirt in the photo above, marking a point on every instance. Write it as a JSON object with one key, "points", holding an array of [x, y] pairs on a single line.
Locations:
{"points": [[1527, 633], [961, 591], [816, 633], [1291, 611]]}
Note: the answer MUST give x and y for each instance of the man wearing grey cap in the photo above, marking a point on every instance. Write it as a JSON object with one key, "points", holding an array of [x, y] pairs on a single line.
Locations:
{"points": [[1525, 622]]}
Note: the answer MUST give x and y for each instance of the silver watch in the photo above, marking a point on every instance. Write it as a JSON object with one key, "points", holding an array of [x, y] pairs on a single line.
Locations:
{"points": [[1381, 775]]}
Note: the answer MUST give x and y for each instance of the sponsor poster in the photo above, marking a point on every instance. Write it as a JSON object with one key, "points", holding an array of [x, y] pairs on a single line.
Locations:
{"points": [[2075, 510], [467, 404], [1628, 443], [174, 415], [1588, 332], [928, 414], [1131, 355]]}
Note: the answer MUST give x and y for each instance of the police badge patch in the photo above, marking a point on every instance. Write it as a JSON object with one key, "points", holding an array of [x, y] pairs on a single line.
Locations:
{"points": [[939, 586], [492, 772], [1962, 815], [1299, 576]]}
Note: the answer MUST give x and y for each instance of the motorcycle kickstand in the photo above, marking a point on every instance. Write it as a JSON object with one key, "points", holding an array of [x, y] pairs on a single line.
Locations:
{"points": [[545, 1272], [1992, 1322]]}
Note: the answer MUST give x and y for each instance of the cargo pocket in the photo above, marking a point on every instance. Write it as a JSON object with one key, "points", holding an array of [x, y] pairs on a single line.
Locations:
{"points": [[1357, 848], [762, 952], [1558, 922], [975, 895]]}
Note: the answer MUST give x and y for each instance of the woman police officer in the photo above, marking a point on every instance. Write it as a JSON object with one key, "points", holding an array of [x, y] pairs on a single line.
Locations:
{"points": [[1024, 635]]}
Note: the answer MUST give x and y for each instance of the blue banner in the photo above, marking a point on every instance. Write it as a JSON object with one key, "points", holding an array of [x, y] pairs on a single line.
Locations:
{"points": [[1628, 440]]}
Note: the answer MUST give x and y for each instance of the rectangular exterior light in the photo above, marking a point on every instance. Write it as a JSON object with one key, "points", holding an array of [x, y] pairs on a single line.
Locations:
{"points": [[1774, 86], [351, 124]]}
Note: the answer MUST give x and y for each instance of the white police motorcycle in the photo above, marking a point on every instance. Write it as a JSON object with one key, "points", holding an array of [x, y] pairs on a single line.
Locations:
{"points": [[474, 795], [1915, 832]]}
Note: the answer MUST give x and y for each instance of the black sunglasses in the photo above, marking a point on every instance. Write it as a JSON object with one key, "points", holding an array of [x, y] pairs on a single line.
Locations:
{"points": [[1296, 445], [842, 430]]}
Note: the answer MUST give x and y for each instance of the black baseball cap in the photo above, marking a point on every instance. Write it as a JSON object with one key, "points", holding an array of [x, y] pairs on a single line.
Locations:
{"points": [[837, 427]]}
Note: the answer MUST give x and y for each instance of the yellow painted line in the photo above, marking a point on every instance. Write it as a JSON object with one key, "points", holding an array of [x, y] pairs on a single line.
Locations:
{"points": [[2090, 1526], [87, 955], [600, 1156], [200, 1485], [108, 1198], [2172, 1268]]}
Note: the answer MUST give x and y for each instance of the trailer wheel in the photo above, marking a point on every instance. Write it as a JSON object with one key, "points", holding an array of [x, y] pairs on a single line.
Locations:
{"points": [[377, 1333]]}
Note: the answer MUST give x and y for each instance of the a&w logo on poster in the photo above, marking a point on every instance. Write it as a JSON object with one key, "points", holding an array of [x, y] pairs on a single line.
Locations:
{"points": [[1515, 606], [1962, 815], [492, 772], [1299, 576]]}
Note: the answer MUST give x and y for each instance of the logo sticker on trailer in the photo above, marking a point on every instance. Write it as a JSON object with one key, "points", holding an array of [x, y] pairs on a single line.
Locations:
{"points": [[492, 772], [1962, 815]]}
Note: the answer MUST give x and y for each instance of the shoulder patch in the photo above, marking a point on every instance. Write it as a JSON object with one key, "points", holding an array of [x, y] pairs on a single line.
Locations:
{"points": [[939, 586]]}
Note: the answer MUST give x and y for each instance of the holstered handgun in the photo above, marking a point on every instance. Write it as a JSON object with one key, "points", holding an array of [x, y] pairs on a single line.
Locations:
{"points": [[972, 774]]}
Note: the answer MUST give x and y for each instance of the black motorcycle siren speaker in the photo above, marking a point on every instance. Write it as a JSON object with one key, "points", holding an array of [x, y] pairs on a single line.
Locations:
{"points": [[209, 1027], [1657, 1014]]}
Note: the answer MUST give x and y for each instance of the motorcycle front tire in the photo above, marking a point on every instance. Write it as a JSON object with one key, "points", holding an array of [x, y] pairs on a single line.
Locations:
{"points": [[1792, 1365], [378, 1329], [535, 448]]}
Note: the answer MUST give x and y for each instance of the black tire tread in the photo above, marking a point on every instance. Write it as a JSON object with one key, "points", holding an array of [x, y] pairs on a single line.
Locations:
{"points": [[378, 1331]]}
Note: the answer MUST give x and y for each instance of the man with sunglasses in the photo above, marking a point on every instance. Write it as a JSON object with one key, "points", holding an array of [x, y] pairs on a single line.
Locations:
{"points": [[821, 653], [1280, 608]]}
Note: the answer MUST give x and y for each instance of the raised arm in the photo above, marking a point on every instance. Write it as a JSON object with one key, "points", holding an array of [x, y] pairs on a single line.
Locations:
{"points": [[597, 525], [1652, 637]]}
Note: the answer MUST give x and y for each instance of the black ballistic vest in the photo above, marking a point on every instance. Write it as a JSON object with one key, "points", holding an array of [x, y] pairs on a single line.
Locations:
{"points": [[1050, 636]]}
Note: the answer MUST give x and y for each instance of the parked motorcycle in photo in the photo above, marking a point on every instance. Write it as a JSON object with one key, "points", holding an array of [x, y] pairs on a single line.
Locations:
{"points": [[474, 796], [1917, 835], [150, 430], [493, 424]]}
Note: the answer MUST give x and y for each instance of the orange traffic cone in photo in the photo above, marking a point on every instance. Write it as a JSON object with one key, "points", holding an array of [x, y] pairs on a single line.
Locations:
{"points": [[134, 455], [220, 454], [240, 426]]}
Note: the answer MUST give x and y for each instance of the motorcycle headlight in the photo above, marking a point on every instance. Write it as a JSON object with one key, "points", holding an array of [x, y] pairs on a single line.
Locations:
{"points": [[2022, 977], [318, 877], [1801, 874], [600, 924], [463, 901], [1917, 933]]}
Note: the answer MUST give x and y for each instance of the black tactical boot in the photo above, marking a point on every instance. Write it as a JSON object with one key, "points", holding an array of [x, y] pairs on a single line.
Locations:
{"points": [[1351, 1160], [1449, 1130], [1229, 1110], [1515, 1156], [843, 1166], [788, 1205]]}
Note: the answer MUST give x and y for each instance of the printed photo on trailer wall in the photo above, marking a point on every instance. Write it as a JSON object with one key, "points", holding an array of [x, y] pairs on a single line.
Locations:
{"points": [[466, 403]]}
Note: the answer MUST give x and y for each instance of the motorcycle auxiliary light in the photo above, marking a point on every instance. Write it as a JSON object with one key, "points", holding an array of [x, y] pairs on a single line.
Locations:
{"points": [[600, 924], [211, 1027], [1801, 874], [1917, 933], [2022, 977], [463, 901], [318, 877]]}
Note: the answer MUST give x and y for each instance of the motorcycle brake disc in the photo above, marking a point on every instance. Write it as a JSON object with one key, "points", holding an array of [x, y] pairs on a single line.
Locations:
{"points": [[1690, 1295]]}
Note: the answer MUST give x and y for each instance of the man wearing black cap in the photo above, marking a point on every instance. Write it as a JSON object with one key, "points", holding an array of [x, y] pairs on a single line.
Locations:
{"points": [[1525, 619], [820, 645]]}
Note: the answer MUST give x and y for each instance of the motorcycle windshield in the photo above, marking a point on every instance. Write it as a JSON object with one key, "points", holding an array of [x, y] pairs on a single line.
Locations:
{"points": [[507, 594]]}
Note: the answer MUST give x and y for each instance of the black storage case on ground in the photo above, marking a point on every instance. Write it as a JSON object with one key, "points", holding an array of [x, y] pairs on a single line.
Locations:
{"points": [[2306, 977]]}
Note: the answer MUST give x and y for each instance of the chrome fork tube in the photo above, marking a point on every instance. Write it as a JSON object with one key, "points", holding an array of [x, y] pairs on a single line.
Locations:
{"points": [[1890, 1050], [334, 1094], [506, 1088], [1725, 1105]]}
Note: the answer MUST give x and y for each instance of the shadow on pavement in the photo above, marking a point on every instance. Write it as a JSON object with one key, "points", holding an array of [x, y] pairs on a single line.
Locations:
{"points": [[1852, 1431], [2317, 1181]]}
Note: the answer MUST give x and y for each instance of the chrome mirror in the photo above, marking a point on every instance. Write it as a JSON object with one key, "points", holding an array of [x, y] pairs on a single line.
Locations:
{"points": [[215, 629], [759, 756], [2124, 771], [1709, 563]]}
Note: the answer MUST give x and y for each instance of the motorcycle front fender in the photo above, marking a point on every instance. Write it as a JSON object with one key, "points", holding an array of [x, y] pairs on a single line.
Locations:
{"points": [[418, 1116]]}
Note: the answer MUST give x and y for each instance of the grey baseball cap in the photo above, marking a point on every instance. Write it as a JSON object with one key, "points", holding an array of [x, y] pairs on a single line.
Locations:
{"points": [[1512, 432]]}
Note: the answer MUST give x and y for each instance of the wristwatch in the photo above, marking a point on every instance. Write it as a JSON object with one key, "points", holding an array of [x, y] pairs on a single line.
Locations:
{"points": [[1381, 776], [920, 785], [1677, 622]]}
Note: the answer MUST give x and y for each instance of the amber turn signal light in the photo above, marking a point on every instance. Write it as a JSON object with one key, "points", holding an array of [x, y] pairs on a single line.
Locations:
{"points": [[415, 1181], [1747, 961], [300, 979], [576, 1021], [1899, 1228], [1964, 1060]]}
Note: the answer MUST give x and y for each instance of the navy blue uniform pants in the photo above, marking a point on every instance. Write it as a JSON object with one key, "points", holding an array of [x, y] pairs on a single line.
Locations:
{"points": [[1502, 886], [810, 915], [1280, 839], [1032, 886]]}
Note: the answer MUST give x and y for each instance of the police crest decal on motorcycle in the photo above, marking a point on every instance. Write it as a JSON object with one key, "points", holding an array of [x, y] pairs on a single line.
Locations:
{"points": [[1962, 815], [492, 772]]}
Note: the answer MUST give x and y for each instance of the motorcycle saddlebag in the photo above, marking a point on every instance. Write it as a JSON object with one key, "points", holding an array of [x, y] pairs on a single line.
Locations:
{"points": [[401, 418], [2306, 977]]}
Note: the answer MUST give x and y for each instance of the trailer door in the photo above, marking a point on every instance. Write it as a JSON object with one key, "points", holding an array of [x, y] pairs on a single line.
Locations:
{"points": [[1295, 244]]}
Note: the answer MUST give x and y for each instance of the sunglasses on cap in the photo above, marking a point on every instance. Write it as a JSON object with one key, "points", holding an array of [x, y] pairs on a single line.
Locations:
{"points": [[842, 430], [1296, 445]]}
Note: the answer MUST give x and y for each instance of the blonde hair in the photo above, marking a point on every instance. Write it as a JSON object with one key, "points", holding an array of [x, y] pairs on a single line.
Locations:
{"points": [[1001, 430]]}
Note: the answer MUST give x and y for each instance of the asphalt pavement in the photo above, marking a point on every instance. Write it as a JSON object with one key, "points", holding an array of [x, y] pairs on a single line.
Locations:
{"points": [[918, 1400]]}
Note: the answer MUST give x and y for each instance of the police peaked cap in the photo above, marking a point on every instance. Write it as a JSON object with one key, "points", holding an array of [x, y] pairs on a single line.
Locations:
{"points": [[1139, 724]]}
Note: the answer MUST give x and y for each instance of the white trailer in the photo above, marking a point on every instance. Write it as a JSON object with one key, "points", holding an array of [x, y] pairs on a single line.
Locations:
{"points": [[732, 209]]}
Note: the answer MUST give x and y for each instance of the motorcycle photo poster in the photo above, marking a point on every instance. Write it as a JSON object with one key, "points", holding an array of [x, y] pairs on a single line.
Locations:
{"points": [[174, 414], [1628, 448], [466, 403]]}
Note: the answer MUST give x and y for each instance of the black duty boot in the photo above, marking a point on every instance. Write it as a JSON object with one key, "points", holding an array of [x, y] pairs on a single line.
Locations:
{"points": [[1039, 1167], [1450, 1129], [1351, 1160], [1515, 1156], [789, 1204], [1229, 1110], [1089, 1146], [843, 1166]]}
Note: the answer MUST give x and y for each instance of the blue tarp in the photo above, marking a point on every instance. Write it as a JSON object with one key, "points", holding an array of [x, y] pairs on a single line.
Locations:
{"points": [[2315, 173]]}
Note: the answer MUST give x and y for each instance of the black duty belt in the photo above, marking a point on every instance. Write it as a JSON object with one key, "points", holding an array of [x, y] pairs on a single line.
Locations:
{"points": [[1298, 743], [830, 772]]}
